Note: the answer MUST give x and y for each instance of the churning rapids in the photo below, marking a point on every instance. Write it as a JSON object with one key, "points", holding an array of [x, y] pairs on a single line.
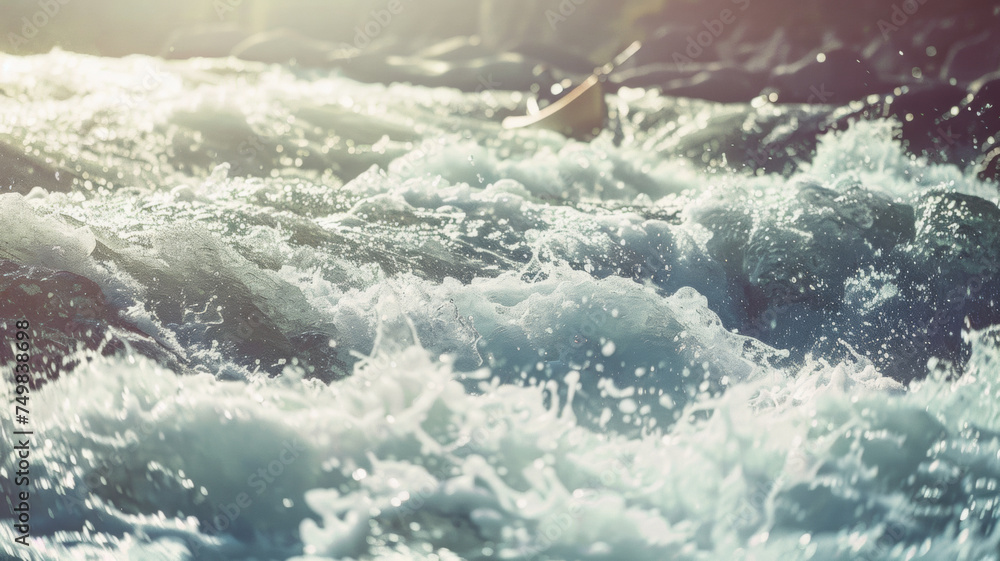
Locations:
{"points": [[378, 326]]}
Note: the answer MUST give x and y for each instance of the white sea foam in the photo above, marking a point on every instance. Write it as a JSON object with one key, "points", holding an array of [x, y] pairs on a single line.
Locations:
{"points": [[539, 332]]}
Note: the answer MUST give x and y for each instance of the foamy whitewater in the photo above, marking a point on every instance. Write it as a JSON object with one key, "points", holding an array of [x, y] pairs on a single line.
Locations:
{"points": [[506, 345]]}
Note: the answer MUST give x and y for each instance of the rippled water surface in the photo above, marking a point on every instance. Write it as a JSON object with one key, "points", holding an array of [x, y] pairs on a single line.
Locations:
{"points": [[379, 326]]}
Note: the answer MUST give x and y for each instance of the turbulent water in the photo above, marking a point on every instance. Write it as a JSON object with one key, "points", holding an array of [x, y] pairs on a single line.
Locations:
{"points": [[363, 321]]}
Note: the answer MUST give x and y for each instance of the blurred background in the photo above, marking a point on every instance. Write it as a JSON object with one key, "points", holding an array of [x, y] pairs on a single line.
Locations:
{"points": [[593, 29], [116, 28]]}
